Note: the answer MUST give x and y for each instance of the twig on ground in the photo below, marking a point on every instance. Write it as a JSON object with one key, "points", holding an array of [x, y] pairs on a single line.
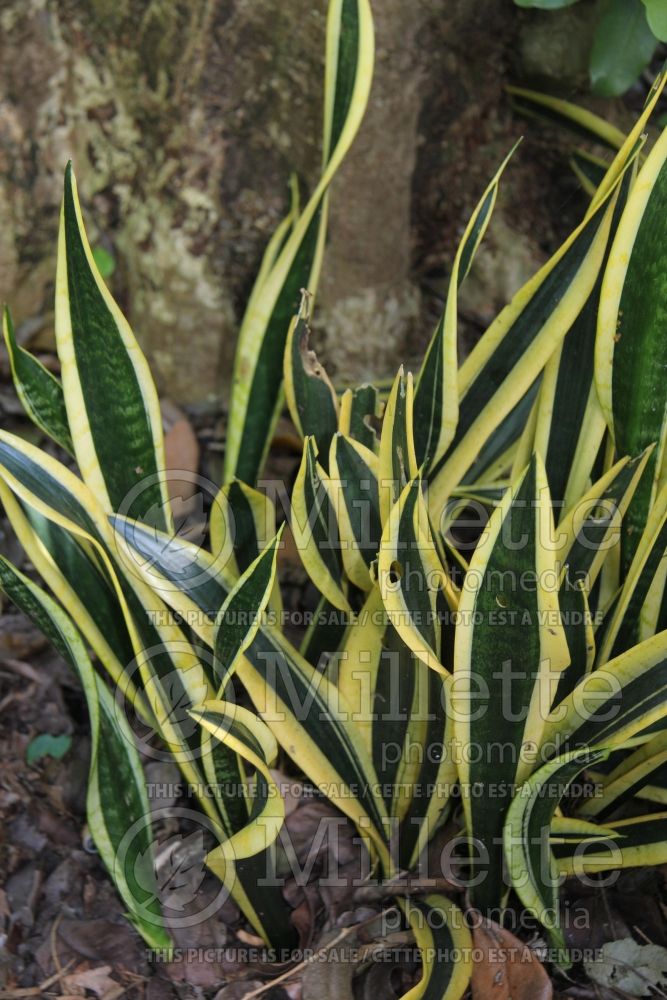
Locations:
{"points": [[34, 991]]}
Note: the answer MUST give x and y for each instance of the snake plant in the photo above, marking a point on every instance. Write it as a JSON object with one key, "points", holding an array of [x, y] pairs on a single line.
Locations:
{"points": [[488, 539]]}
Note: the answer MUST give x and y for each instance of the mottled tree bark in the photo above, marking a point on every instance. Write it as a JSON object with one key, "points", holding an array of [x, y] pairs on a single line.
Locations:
{"points": [[184, 121]]}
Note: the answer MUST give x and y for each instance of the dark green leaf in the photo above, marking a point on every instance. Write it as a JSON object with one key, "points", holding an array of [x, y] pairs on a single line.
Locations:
{"points": [[623, 46], [656, 15]]}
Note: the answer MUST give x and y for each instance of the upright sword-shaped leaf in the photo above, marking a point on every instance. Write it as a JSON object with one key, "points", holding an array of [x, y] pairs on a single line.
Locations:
{"points": [[503, 688], [112, 404], [257, 379], [631, 347]]}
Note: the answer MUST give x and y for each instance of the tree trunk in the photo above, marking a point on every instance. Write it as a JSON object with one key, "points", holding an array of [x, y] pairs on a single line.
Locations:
{"points": [[184, 121]]}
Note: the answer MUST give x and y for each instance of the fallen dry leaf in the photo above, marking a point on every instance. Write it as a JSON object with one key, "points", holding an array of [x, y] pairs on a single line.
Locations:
{"points": [[323, 843], [100, 940], [97, 981], [181, 449], [201, 958], [332, 979], [238, 989], [505, 968], [306, 904], [18, 639], [630, 968]]}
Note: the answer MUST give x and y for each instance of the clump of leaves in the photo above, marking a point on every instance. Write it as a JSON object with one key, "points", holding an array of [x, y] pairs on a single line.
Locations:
{"points": [[490, 565]]}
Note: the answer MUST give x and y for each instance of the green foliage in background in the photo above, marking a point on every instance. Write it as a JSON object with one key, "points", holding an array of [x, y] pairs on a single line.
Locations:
{"points": [[46, 745], [490, 536], [627, 33]]}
